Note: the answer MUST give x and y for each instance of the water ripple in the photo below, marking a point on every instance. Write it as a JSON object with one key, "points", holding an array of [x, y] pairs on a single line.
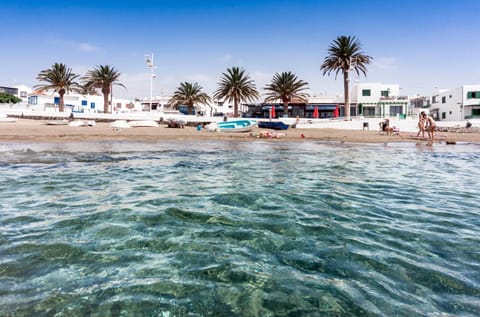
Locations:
{"points": [[239, 229]]}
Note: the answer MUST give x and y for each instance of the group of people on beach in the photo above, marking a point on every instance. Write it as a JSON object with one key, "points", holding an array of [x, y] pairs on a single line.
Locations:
{"points": [[426, 123]]}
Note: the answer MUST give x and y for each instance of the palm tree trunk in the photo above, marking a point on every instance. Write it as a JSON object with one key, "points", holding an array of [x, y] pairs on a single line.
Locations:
{"points": [[190, 109], [346, 81], [285, 108], [105, 102], [61, 106], [235, 108]]}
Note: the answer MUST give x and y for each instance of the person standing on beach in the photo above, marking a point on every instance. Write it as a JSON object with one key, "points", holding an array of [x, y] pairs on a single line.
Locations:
{"points": [[431, 126], [421, 124]]}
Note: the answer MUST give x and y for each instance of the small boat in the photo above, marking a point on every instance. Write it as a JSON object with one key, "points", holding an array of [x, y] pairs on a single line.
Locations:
{"points": [[143, 124], [77, 123], [275, 125], [6, 119], [120, 124], [57, 122], [236, 125]]}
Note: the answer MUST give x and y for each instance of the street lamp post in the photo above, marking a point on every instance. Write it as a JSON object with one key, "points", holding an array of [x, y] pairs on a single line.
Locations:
{"points": [[151, 65]]}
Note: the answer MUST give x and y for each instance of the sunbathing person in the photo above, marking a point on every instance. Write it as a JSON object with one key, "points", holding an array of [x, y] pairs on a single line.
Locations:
{"points": [[385, 126]]}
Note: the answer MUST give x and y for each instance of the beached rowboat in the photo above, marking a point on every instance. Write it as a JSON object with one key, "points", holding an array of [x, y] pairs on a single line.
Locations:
{"points": [[143, 124], [275, 125], [243, 125]]}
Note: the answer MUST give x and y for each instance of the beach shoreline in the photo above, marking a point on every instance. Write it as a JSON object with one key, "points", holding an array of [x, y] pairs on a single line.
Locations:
{"points": [[26, 130]]}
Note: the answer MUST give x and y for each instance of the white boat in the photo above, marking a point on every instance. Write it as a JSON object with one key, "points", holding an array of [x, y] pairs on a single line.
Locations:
{"points": [[57, 122], [77, 123], [143, 123], [241, 125], [211, 127], [120, 124], [5, 119]]}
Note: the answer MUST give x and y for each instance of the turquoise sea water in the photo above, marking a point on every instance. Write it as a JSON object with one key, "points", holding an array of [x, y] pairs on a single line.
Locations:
{"points": [[239, 229]]}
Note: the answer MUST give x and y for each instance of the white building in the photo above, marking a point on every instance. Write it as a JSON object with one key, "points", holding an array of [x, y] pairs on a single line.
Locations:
{"points": [[20, 91], [160, 103], [457, 104], [79, 103], [379, 100]]}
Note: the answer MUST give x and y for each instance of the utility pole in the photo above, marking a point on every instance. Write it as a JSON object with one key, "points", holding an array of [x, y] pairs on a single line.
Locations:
{"points": [[151, 65]]}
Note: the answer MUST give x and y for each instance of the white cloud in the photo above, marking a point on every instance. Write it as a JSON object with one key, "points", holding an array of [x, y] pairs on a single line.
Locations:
{"points": [[85, 47], [385, 63], [226, 58], [79, 46], [261, 79]]}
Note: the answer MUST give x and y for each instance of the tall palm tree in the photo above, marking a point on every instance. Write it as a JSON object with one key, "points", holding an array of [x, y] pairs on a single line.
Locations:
{"points": [[344, 55], [189, 94], [286, 86], [103, 77], [58, 78], [236, 86], [88, 90]]}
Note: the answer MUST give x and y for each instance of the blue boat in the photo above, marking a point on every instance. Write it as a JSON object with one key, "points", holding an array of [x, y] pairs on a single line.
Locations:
{"points": [[242, 125], [275, 125]]}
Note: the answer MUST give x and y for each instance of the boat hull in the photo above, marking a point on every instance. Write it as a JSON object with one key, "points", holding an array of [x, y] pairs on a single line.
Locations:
{"points": [[236, 126], [275, 125]]}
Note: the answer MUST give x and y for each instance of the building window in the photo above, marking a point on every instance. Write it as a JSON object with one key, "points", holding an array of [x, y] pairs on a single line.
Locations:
{"points": [[23, 94], [444, 115], [476, 112], [384, 93], [434, 99], [444, 99], [33, 100], [366, 93], [473, 94], [394, 110], [368, 111]]}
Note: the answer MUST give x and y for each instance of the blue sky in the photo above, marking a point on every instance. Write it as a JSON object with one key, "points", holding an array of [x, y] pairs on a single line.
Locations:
{"points": [[419, 45]]}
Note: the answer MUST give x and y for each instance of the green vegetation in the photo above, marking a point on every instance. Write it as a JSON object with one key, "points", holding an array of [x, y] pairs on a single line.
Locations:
{"points": [[236, 86], [345, 55], [102, 77], [9, 98], [189, 94], [286, 87], [60, 79]]}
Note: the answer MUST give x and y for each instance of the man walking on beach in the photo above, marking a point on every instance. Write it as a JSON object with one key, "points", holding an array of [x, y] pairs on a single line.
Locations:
{"points": [[431, 125]]}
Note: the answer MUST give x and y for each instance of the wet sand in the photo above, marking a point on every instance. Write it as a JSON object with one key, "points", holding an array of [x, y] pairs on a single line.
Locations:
{"points": [[25, 130]]}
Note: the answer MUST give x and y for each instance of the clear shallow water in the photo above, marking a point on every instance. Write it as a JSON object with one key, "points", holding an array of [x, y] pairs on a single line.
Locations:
{"points": [[239, 229]]}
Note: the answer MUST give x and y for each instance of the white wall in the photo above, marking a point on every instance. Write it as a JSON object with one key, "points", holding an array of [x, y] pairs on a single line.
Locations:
{"points": [[47, 101]]}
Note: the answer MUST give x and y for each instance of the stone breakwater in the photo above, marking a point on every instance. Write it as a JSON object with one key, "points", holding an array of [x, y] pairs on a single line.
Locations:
{"points": [[458, 129]]}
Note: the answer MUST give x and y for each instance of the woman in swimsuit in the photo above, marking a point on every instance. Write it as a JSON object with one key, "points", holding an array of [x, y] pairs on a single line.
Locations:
{"points": [[421, 125]]}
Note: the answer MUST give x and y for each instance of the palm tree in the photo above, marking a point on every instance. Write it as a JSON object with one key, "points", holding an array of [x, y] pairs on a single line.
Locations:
{"points": [[87, 90], [189, 94], [236, 86], [345, 55], [58, 78], [103, 77], [286, 86]]}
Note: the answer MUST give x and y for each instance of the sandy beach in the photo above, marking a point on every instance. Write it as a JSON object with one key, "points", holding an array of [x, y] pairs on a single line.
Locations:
{"points": [[26, 130]]}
